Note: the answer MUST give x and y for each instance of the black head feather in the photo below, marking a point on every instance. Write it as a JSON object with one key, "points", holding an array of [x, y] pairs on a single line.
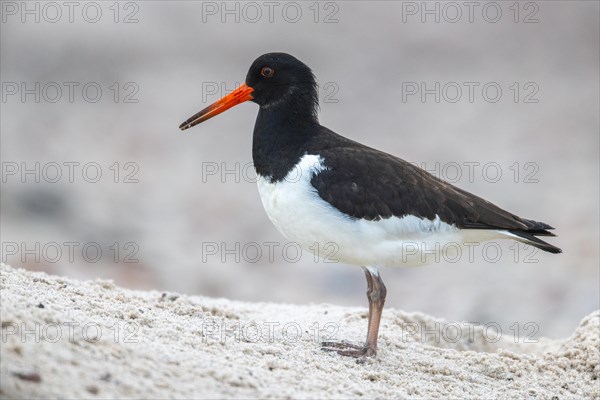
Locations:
{"points": [[280, 80]]}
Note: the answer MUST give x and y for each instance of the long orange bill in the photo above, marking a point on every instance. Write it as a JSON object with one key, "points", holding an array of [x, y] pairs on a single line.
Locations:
{"points": [[239, 95]]}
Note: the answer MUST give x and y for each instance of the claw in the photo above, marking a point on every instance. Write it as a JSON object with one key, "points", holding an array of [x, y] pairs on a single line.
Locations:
{"points": [[348, 349], [341, 345], [376, 292]]}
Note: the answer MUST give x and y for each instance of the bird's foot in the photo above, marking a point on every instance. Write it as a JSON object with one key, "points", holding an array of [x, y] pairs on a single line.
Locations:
{"points": [[348, 349]]}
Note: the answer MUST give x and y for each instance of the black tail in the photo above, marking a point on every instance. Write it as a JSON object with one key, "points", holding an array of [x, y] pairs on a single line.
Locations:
{"points": [[536, 229]]}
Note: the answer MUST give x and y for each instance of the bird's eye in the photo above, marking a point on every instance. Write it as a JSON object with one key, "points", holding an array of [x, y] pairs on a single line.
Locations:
{"points": [[267, 72]]}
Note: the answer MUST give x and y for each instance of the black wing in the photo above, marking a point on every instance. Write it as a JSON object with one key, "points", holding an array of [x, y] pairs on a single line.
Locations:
{"points": [[366, 183]]}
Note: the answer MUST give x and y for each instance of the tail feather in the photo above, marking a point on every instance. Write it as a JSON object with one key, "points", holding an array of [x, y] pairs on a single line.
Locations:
{"points": [[529, 237], [534, 226], [540, 233]]}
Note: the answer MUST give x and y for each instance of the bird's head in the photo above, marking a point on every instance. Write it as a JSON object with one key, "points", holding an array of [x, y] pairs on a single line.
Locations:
{"points": [[274, 81]]}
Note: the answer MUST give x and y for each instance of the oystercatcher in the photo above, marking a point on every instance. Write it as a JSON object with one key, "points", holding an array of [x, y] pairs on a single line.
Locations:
{"points": [[359, 205]]}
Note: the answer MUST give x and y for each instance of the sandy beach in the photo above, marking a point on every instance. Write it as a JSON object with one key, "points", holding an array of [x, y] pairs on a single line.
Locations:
{"points": [[63, 338]]}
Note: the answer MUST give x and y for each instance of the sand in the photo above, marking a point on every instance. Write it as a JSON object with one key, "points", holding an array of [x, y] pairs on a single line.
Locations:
{"points": [[91, 339]]}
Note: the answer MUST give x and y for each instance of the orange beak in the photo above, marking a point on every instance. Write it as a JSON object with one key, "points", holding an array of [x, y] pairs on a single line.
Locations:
{"points": [[239, 95]]}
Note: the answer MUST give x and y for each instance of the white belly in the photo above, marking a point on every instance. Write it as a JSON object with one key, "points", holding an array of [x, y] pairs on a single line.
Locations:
{"points": [[295, 208]]}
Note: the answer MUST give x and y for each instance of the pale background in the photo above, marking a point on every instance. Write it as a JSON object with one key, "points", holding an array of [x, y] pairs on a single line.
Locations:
{"points": [[175, 50]]}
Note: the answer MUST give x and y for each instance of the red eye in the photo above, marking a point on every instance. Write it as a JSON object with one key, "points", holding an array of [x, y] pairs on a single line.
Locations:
{"points": [[267, 72]]}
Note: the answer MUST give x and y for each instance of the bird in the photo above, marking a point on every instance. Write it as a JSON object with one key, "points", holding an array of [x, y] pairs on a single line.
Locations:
{"points": [[335, 196]]}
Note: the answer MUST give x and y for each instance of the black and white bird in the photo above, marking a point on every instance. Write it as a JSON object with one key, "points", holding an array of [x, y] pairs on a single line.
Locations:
{"points": [[372, 208]]}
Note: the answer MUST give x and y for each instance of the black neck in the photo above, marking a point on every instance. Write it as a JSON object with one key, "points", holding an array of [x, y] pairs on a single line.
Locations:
{"points": [[280, 136]]}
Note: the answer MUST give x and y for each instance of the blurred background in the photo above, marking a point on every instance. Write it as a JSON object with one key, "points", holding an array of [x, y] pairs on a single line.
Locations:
{"points": [[499, 98]]}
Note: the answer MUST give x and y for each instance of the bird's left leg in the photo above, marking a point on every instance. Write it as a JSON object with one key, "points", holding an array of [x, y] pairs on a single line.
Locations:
{"points": [[376, 293]]}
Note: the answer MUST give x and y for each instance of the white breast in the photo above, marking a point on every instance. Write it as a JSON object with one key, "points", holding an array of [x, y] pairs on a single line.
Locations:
{"points": [[302, 216]]}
